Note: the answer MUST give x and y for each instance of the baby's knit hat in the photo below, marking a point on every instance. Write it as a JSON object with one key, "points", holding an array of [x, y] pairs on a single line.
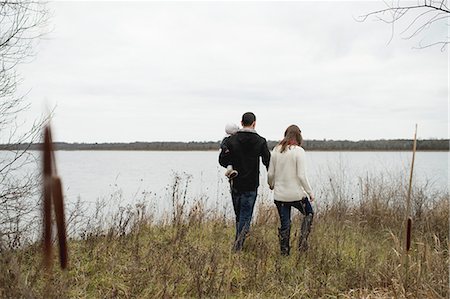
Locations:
{"points": [[231, 129]]}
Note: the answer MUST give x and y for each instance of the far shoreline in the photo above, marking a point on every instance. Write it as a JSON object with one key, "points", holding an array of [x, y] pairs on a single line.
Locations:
{"points": [[394, 145]]}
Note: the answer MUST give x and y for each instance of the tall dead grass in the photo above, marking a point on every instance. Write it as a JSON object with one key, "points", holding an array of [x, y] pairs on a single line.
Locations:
{"points": [[355, 252]]}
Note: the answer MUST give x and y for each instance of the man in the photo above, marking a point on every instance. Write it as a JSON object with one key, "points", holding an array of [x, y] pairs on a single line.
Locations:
{"points": [[243, 151]]}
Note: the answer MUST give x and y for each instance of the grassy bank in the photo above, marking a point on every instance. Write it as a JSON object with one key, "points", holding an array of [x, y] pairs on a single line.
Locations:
{"points": [[355, 252]]}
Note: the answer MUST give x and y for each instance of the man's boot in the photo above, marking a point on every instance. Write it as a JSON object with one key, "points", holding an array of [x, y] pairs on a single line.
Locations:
{"points": [[283, 236], [305, 230]]}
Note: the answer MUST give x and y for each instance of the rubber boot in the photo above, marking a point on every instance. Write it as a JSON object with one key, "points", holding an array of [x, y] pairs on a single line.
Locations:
{"points": [[305, 230], [283, 236]]}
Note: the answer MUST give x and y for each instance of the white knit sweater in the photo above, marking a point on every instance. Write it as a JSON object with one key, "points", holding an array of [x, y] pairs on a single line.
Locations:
{"points": [[287, 174]]}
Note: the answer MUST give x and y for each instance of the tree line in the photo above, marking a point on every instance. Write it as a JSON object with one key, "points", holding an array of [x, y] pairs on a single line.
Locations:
{"points": [[310, 145]]}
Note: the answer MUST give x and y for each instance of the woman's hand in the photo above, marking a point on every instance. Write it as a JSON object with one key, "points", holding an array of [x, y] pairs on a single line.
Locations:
{"points": [[311, 197]]}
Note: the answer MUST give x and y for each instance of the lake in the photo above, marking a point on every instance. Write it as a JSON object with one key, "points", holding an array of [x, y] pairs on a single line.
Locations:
{"points": [[150, 175], [132, 175]]}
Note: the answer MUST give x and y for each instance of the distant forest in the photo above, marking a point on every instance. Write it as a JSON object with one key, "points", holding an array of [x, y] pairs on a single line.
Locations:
{"points": [[311, 145]]}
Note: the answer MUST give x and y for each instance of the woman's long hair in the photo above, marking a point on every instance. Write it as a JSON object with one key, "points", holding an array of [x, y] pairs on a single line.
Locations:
{"points": [[292, 136]]}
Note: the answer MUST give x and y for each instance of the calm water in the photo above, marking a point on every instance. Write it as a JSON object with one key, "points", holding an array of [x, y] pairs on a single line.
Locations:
{"points": [[122, 177]]}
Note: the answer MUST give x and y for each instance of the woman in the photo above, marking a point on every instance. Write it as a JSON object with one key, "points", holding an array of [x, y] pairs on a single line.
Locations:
{"points": [[287, 177]]}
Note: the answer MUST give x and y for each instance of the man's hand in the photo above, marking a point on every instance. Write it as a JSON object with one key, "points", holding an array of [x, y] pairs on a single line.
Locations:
{"points": [[311, 197]]}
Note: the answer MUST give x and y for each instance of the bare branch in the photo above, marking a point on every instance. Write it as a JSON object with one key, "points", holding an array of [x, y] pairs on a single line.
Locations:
{"points": [[417, 18], [442, 44], [421, 18], [21, 24], [425, 25]]}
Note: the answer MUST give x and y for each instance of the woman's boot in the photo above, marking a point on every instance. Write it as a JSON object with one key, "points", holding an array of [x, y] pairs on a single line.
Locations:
{"points": [[283, 236], [305, 230]]}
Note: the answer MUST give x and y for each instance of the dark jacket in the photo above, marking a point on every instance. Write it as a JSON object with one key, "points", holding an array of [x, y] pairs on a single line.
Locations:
{"points": [[243, 150]]}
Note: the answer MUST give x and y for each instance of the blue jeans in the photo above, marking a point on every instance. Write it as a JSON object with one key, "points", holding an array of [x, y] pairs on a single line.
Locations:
{"points": [[284, 210], [243, 204]]}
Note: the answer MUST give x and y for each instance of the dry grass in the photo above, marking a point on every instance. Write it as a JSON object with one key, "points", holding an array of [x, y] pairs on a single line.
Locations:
{"points": [[355, 252]]}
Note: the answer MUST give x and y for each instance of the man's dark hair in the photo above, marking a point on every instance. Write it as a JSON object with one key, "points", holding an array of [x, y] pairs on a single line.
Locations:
{"points": [[248, 118]]}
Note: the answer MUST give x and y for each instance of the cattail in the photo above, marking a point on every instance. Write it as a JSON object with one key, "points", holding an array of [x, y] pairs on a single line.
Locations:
{"points": [[47, 198], [52, 193], [408, 234], [60, 220]]}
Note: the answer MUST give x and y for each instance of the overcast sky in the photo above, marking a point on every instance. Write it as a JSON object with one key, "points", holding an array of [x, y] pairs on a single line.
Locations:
{"points": [[179, 71]]}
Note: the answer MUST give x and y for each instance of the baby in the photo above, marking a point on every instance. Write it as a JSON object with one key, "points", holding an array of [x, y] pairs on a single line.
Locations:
{"points": [[230, 129]]}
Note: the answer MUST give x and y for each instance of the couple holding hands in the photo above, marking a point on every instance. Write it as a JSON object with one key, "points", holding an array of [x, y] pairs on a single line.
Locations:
{"points": [[240, 153]]}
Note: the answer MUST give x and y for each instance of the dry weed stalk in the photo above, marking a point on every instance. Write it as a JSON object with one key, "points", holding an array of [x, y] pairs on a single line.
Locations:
{"points": [[408, 202]]}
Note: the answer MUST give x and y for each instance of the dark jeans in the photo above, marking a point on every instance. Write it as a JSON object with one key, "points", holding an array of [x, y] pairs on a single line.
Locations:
{"points": [[284, 210], [243, 204]]}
